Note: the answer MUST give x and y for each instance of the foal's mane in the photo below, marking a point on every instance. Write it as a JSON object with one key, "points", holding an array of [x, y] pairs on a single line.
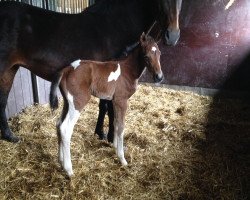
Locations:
{"points": [[129, 49]]}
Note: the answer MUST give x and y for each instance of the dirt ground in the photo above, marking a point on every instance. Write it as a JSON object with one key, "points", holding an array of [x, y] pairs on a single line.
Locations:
{"points": [[179, 146]]}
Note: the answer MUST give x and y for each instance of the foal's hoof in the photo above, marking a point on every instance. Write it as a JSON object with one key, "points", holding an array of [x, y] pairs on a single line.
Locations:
{"points": [[124, 162], [70, 174], [11, 138]]}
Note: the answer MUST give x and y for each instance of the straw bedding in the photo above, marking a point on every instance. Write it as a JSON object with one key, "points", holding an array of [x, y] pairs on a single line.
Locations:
{"points": [[179, 146]]}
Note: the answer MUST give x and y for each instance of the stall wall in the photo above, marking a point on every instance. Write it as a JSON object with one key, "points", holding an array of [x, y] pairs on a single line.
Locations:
{"points": [[214, 48]]}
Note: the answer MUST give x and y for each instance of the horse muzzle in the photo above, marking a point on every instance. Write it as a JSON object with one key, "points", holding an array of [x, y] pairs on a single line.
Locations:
{"points": [[158, 78], [172, 37]]}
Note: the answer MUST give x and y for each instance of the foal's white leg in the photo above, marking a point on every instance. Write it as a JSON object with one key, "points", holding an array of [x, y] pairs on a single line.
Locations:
{"points": [[61, 152], [66, 130], [120, 108], [115, 134], [120, 147]]}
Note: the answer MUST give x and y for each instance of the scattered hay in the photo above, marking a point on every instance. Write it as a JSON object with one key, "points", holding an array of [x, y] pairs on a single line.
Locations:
{"points": [[179, 146]]}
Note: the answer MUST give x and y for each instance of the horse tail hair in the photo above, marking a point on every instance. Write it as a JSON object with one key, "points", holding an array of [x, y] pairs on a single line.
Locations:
{"points": [[53, 99]]}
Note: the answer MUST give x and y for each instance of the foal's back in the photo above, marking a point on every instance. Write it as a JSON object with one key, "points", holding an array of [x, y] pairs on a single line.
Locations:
{"points": [[92, 78]]}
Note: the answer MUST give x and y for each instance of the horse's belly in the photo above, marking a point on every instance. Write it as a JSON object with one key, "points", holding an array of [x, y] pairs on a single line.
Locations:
{"points": [[104, 96], [103, 92]]}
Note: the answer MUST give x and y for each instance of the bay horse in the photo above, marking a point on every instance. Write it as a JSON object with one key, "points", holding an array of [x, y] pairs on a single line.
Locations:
{"points": [[45, 41], [112, 80]]}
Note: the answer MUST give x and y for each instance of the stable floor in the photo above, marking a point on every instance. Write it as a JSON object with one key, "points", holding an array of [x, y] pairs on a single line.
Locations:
{"points": [[179, 146]]}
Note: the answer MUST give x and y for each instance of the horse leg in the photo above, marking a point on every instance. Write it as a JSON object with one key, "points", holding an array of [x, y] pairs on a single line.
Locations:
{"points": [[66, 130], [120, 108], [110, 135], [59, 122], [99, 125], [6, 80], [72, 114]]}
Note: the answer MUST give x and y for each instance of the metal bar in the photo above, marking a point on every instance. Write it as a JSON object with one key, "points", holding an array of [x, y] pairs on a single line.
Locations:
{"points": [[35, 88], [91, 2], [43, 4], [47, 4], [77, 6]]}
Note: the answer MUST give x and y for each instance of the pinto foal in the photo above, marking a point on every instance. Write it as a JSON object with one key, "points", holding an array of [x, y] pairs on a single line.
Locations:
{"points": [[114, 80]]}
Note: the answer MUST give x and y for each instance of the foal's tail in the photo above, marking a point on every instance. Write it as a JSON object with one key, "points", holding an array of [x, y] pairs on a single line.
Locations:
{"points": [[53, 99]]}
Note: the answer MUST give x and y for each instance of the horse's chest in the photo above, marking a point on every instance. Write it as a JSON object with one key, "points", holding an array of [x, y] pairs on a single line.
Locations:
{"points": [[103, 90]]}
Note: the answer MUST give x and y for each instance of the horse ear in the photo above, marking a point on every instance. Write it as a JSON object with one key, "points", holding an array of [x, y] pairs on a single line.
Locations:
{"points": [[158, 41], [158, 37], [143, 37]]}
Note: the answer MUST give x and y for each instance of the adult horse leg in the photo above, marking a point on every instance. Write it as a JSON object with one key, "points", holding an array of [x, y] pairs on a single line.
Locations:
{"points": [[110, 135], [104, 107], [102, 112], [6, 80], [120, 108]]}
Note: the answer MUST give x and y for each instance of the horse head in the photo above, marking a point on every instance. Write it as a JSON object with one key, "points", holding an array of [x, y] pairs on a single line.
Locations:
{"points": [[151, 55], [170, 9]]}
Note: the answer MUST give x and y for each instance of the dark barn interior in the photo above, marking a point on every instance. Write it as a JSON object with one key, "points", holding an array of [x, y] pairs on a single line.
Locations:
{"points": [[211, 59]]}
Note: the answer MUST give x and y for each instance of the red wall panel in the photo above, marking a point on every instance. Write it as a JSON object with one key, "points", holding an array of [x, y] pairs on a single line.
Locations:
{"points": [[214, 48]]}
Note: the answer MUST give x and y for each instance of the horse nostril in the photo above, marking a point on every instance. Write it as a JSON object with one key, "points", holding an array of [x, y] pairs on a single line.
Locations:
{"points": [[167, 35], [158, 78], [172, 37]]}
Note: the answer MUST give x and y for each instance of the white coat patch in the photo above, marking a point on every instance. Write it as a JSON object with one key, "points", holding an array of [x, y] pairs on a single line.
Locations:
{"points": [[70, 98], [114, 75], [153, 49], [76, 63]]}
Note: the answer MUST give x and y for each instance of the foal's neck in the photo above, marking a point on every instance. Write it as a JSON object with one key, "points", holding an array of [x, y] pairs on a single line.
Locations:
{"points": [[136, 62]]}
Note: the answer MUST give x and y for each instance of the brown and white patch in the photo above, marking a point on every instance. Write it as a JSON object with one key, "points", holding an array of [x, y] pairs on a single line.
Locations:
{"points": [[76, 63], [115, 75]]}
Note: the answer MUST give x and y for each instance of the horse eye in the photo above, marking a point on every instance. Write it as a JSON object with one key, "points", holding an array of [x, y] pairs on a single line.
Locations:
{"points": [[153, 52], [146, 58]]}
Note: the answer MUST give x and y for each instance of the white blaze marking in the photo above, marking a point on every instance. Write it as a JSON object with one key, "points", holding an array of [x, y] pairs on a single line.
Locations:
{"points": [[114, 75], [76, 63], [153, 49], [159, 63], [229, 4]]}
